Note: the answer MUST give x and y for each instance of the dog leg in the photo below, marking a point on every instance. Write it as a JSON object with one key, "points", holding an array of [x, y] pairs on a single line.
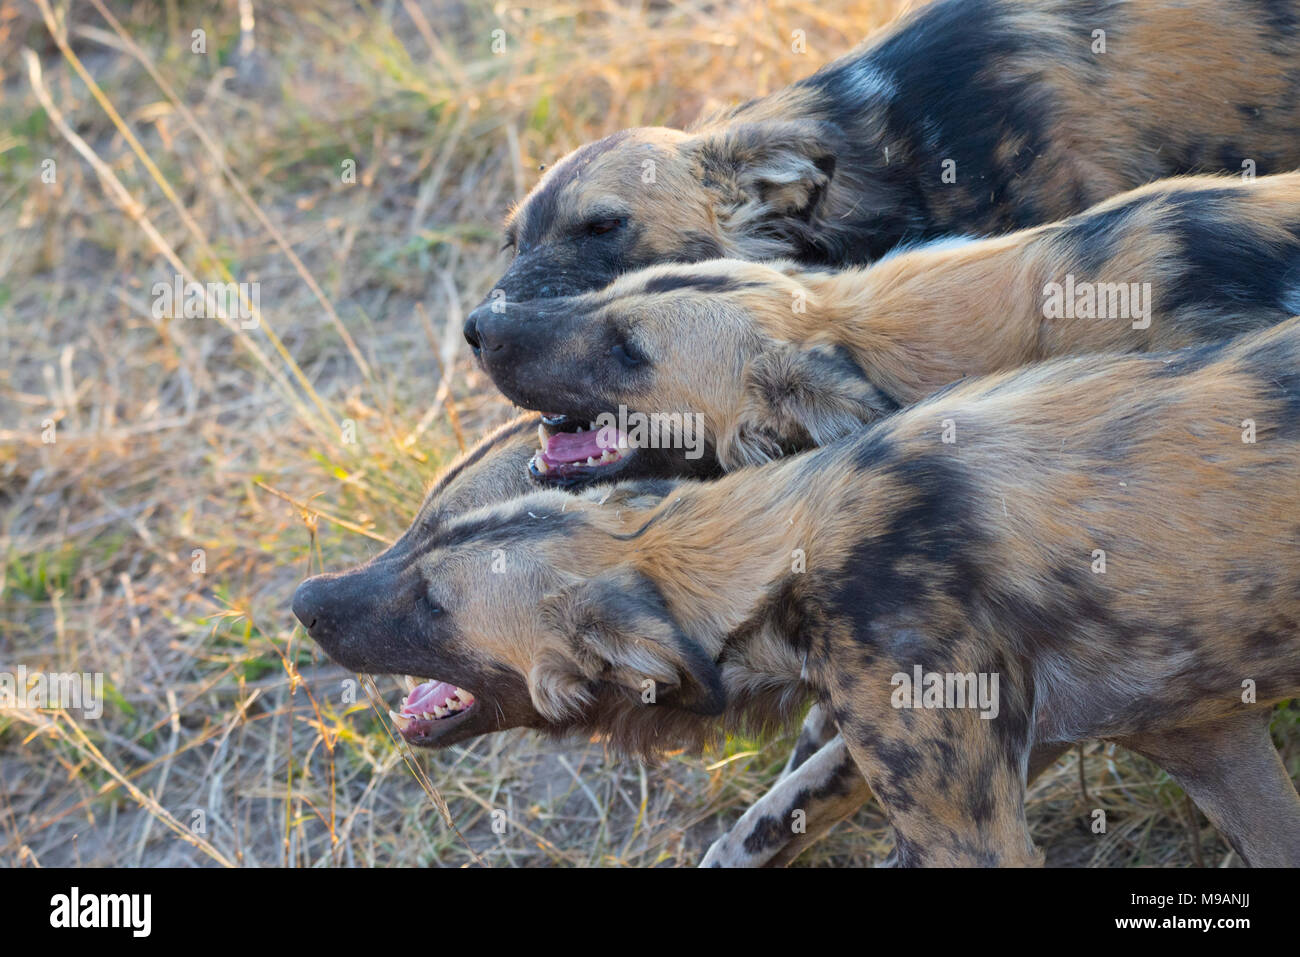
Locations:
{"points": [[828, 791], [818, 730], [1232, 771], [827, 787], [823, 817], [950, 778], [801, 807]]}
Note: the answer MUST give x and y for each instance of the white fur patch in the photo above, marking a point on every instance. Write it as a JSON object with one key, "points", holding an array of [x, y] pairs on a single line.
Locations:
{"points": [[867, 82], [942, 244]]}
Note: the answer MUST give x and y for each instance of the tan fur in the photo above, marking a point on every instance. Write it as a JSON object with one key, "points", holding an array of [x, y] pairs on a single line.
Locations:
{"points": [[603, 597], [494, 470], [848, 163], [777, 357]]}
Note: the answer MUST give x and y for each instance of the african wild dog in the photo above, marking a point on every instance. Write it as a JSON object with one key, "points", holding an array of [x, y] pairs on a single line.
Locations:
{"points": [[820, 778], [1115, 538], [769, 358], [964, 117]]}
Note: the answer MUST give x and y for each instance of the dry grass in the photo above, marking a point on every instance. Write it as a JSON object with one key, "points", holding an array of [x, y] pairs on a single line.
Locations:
{"points": [[186, 438]]}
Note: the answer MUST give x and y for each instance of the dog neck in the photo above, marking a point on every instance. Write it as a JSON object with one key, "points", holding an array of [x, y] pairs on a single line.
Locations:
{"points": [[723, 552], [923, 318]]}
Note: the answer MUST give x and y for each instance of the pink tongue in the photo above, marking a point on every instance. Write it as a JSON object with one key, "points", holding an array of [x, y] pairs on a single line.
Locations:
{"points": [[427, 696], [565, 447]]}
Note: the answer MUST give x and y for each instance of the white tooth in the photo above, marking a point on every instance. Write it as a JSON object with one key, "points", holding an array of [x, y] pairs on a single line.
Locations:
{"points": [[401, 720], [590, 460], [411, 683], [581, 429], [439, 711], [540, 463], [542, 437], [428, 716]]}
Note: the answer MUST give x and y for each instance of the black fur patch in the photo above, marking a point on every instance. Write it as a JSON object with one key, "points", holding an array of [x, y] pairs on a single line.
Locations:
{"points": [[873, 448], [1179, 362], [945, 69], [1228, 261], [714, 284], [768, 832], [979, 794], [506, 526], [909, 854], [1277, 365], [1279, 15], [930, 545], [1093, 238]]}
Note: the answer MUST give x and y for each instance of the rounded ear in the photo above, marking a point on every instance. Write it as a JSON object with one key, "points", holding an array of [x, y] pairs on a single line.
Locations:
{"points": [[771, 177], [616, 628], [800, 398]]}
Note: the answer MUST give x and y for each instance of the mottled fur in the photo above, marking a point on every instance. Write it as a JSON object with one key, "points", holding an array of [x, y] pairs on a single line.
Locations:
{"points": [[776, 357], [850, 162], [661, 614]]}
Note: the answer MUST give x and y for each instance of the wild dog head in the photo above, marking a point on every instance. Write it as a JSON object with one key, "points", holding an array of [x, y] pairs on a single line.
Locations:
{"points": [[333, 606], [521, 614], [493, 471], [679, 370], [750, 190], [364, 618]]}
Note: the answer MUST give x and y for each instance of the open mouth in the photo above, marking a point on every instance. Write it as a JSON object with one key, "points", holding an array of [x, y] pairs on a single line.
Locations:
{"points": [[430, 709], [573, 452]]}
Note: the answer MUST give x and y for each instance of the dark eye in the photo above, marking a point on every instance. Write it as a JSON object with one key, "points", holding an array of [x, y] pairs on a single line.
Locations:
{"points": [[599, 227], [431, 606], [626, 353]]}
